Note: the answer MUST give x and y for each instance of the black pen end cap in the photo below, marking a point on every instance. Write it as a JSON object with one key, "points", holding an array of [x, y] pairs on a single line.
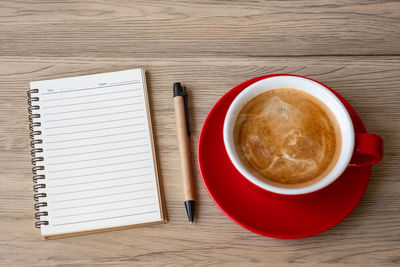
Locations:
{"points": [[190, 210], [178, 89]]}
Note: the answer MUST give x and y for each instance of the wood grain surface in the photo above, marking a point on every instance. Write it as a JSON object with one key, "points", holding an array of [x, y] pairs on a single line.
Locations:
{"points": [[210, 46]]}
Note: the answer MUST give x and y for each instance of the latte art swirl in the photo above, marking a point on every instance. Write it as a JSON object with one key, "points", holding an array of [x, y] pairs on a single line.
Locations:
{"points": [[287, 136]]}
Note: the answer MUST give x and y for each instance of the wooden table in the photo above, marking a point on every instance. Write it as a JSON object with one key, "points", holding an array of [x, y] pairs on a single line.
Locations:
{"points": [[352, 46]]}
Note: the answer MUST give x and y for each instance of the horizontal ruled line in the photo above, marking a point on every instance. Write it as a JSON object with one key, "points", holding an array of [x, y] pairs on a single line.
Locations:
{"points": [[90, 102], [98, 115], [91, 174], [100, 211], [91, 88], [98, 129], [96, 151], [120, 193], [100, 136], [90, 123], [94, 189], [98, 181], [95, 166], [97, 204], [84, 160], [71, 97], [90, 109], [107, 218], [104, 143], [122, 83]]}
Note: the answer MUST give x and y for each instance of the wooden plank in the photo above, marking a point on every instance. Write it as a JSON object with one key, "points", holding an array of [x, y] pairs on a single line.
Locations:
{"points": [[199, 28], [370, 235]]}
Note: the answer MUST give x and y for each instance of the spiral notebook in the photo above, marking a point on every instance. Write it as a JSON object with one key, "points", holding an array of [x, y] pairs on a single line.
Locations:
{"points": [[94, 154]]}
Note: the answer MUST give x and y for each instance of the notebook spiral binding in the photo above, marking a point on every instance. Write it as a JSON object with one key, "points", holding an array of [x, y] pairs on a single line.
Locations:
{"points": [[38, 179]]}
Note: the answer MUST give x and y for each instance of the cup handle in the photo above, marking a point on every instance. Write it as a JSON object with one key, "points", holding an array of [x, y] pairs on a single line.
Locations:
{"points": [[368, 150]]}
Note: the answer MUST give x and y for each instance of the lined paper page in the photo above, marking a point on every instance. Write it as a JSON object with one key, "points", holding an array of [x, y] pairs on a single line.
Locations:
{"points": [[98, 152]]}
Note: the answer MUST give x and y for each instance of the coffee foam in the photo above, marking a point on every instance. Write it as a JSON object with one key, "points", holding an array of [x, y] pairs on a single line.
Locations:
{"points": [[287, 137]]}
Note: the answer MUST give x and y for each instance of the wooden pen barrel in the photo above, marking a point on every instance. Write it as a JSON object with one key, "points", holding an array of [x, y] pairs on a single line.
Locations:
{"points": [[184, 151]]}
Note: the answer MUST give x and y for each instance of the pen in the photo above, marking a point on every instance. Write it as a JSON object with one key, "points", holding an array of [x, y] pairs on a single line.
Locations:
{"points": [[183, 133]]}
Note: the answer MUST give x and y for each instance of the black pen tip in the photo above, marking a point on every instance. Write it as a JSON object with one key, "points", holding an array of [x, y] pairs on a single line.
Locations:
{"points": [[190, 210]]}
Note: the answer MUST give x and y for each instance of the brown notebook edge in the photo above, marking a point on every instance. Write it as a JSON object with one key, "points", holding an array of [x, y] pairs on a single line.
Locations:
{"points": [[50, 237], [160, 191]]}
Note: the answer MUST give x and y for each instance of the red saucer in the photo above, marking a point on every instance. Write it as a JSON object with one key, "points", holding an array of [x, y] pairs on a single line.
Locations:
{"points": [[266, 213]]}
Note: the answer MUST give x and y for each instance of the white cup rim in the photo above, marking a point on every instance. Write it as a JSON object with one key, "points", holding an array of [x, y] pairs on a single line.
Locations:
{"points": [[309, 86]]}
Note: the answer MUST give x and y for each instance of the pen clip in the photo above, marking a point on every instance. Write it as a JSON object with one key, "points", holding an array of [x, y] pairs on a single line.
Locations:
{"points": [[185, 103]]}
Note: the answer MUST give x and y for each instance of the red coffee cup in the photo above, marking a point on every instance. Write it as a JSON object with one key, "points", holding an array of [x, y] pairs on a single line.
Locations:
{"points": [[357, 149]]}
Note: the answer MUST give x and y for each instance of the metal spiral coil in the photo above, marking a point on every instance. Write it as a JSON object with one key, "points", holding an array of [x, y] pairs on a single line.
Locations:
{"points": [[36, 159], [36, 187], [34, 124], [38, 195], [34, 142], [39, 224], [37, 177], [38, 214], [36, 150], [33, 116], [37, 168]]}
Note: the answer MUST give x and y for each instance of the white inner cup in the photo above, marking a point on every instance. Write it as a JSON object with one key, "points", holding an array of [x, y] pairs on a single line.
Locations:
{"points": [[306, 85]]}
